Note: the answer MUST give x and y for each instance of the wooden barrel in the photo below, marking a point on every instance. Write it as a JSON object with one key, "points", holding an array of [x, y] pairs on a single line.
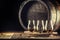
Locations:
{"points": [[37, 10]]}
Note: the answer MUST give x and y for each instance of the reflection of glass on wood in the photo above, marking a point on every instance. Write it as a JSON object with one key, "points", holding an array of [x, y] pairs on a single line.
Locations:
{"points": [[37, 25], [34, 24], [51, 25], [29, 24], [44, 26]]}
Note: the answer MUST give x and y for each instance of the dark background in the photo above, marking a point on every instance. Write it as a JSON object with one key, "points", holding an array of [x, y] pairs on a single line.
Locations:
{"points": [[9, 15]]}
